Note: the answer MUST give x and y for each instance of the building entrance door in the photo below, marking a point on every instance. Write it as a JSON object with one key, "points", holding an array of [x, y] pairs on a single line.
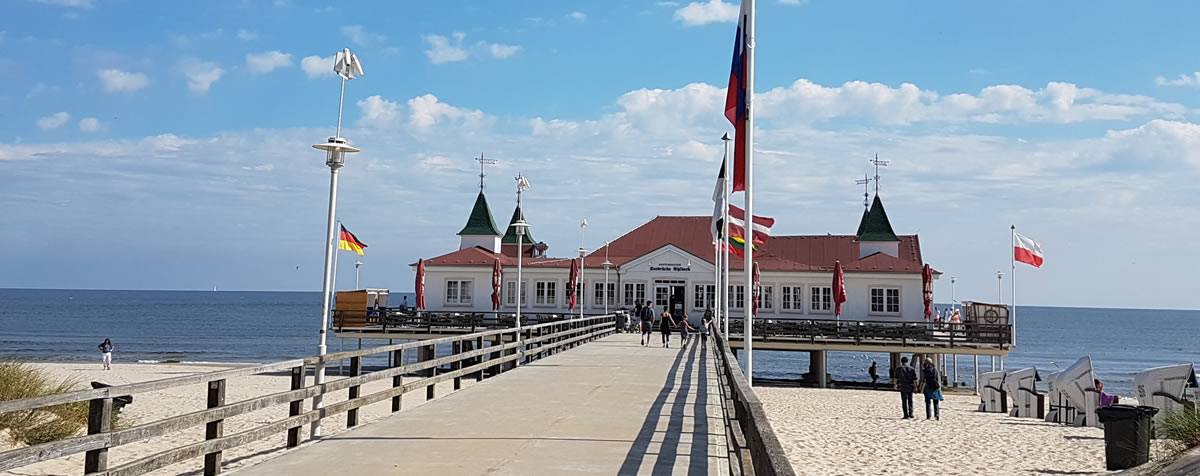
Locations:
{"points": [[677, 300]]}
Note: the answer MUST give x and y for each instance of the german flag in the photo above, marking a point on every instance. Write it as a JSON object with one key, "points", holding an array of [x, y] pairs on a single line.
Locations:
{"points": [[349, 242]]}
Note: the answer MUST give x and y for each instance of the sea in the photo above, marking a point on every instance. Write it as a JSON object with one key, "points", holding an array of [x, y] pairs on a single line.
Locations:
{"points": [[55, 325]]}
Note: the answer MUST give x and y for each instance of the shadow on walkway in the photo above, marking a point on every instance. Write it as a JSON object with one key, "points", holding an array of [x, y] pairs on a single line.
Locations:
{"points": [[675, 417]]}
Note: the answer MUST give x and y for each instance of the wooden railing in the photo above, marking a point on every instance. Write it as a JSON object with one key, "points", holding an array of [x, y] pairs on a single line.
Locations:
{"points": [[868, 332], [427, 321], [470, 358], [753, 447]]}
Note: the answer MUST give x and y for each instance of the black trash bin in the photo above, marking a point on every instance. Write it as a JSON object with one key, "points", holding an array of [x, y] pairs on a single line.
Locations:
{"points": [[1127, 431]]}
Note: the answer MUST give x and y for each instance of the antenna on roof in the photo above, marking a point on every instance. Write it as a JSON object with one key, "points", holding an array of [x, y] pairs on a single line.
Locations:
{"points": [[483, 162], [878, 163], [866, 191]]}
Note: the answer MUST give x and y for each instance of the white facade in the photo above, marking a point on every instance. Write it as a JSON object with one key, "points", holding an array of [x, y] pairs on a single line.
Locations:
{"points": [[487, 242], [897, 296]]}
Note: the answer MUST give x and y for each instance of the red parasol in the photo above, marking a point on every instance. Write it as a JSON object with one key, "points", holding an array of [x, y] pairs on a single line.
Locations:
{"points": [[927, 284], [496, 276], [420, 286], [757, 288], [572, 285], [839, 288]]}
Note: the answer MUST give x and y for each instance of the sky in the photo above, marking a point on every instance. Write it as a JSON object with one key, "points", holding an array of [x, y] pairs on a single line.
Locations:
{"points": [[167, 145]]}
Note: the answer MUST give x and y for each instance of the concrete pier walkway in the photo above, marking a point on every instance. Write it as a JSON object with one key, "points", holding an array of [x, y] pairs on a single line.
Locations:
{"points": [[607, 407]]}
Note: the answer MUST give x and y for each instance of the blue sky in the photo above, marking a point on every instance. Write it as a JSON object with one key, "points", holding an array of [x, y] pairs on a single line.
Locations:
{"points": [[154, 145]]}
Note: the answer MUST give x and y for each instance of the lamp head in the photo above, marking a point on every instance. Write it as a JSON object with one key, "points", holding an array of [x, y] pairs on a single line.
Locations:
{"points": [[336, 149], [520, 226]]}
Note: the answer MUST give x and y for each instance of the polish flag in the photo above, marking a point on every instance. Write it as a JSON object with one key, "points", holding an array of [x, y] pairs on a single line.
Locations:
{"points": [[1027, 251]]}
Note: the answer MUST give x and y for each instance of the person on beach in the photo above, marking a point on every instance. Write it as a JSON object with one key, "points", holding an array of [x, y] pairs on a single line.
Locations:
{"points": [[1106, 400], [906, 381], [646, 315], [931, 386], [664, 327], [874, 373], [106, 349]]}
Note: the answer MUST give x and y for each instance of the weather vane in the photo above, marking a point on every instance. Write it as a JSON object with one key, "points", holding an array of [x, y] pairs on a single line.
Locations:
{"points": [[866, 190], [878, 163], [482, 163]]}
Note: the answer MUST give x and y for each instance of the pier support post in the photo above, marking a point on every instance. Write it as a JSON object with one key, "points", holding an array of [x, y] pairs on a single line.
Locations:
{"points": [[99, 421], [294, 408], [893, 363], [397, 380], [214, 429], [976, 381], [355, 370], [955, 358], [817, 367]]}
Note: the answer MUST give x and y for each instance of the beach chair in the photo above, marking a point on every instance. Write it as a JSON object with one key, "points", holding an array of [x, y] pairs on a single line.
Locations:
{"points": [[1077, 383], [1165, 388], [1056, 402], [1021, 386], [993, 398]]}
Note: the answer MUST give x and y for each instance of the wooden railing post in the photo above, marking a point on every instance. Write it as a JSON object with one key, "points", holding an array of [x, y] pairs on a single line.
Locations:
{"points": [[355, 370], [456, 348], [430, 354], [214, 429], [296, 406], [99, 421], [398, 380], [479, 359]]}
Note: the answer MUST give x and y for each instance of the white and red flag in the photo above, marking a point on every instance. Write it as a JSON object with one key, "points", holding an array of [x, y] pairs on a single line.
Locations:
{"points": [[735, 96], [1026, 250]]}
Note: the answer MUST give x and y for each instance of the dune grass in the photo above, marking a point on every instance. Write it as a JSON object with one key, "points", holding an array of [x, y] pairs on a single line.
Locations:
{"points": [[31, 427], [1182, 428]]}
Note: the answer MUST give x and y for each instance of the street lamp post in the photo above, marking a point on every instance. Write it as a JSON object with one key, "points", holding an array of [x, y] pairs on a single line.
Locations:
{"points": [[521, 226], [356, 265], [999, 287], [336, 148], [580, 290]]}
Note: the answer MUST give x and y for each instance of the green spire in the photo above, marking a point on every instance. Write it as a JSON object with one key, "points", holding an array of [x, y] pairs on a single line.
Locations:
{"points": [[862, 223], [875, 225], [481, 222], [510, 236]]}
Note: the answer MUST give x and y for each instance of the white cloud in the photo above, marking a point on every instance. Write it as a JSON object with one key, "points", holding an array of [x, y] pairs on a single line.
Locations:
{"points": [[246, 35], [90, 124], [703, 13], [200, 74], [442, 50], [117, 81], [68, 3], [316, 66], [377, 111], [501, 51], [53, 121], [577, 16], [266, 62], [668, 4], [794, 2], [426, 111], [1184, 80], [360, 36]]}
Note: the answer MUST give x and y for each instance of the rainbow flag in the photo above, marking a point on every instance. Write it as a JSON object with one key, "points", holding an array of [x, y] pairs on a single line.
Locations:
{"points": [[347, 241]]}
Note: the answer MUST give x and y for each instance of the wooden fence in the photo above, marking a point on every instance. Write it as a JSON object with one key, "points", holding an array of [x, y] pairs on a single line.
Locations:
{"points": [[472, 357], [753, 447], [869, 332]]}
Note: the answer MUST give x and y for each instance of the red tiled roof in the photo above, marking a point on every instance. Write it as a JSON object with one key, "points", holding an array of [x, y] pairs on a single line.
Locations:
{"points": [[691, 234]]}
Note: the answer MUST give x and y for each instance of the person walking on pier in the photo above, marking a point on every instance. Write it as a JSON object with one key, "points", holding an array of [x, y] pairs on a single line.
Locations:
{"points": [[664, 327], [931, 386], [646, 315], [906, 381], [106, 349], [705, 323]]}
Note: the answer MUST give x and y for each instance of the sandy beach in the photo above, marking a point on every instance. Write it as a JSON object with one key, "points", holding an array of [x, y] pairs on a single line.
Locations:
{"points": [[149, 407], [855, 432]]}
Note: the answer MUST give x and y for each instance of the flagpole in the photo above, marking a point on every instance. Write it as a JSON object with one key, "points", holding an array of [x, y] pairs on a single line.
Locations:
{"points": [[725, 248], [748, 339], [337, 245], [717, 281], [1012, 278]]}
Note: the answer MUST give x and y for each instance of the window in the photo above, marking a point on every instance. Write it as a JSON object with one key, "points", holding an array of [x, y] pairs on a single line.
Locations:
{"points": [[544, 293], [766, 297], [635, 293], [580, 300], [792, 296], [705, 296], [510, 293], [598, 294], [662, 296], [822, 299], [885, 300], [737, 296], [458, 292]]}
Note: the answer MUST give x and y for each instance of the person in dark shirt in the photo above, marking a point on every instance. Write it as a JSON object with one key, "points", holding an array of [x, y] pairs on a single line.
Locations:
{"points": [[906, 383], [647, 322], [931, 386], [874, 373]]}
